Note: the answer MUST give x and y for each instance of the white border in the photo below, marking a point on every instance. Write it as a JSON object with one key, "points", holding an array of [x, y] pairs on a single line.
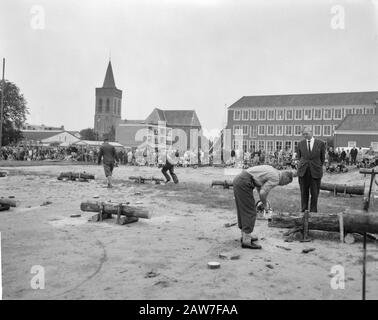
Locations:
{"points": [[1, 274]]}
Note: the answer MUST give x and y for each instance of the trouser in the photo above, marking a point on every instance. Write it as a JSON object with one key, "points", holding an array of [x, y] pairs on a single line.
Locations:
{"points": [[169, 167], [309, 185], [245, 203], [108, 169], [353, 160]]}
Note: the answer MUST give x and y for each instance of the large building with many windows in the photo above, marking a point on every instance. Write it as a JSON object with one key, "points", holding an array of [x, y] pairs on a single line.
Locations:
{"points": [[275, 122]]}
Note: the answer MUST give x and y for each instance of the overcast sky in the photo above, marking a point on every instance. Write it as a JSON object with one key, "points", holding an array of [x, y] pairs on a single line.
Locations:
{"points": [[183, 54]]}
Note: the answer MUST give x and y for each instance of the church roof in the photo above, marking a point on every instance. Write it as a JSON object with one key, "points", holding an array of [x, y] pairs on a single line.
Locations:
{"points": [[109, 77]]}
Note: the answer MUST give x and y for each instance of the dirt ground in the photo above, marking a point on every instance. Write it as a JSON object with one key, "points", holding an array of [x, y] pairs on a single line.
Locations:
{"points": [[166, 257]]}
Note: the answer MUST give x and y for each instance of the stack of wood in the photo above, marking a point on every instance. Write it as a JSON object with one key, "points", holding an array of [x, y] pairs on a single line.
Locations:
{"points": [[144, 179], [75, 176], [343, 188], [125, 213], [353, 222], [5, 204]]}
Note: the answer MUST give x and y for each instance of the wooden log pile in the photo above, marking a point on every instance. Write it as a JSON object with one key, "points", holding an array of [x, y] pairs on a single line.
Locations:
{"points": [[6, 203], [226, 184], [75, 176], [343, 188], [125, 213], [350, 222], [139, 179]]}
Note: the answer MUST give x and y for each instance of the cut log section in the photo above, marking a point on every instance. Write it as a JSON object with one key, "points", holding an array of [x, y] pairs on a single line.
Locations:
{"points": [[144, 179], [4, 207], [112, 208], [225, 183], [8, 202], [3, 174], [345, 189], [353, 222], [81, 176]]}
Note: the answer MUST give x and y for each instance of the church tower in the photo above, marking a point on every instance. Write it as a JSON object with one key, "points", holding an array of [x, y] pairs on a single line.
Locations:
{"points": [[108, 107]]}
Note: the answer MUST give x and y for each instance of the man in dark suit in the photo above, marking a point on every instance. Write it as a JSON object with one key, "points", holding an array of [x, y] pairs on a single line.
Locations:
{"points": [[353, 155], [311, 155], [108, 152]]}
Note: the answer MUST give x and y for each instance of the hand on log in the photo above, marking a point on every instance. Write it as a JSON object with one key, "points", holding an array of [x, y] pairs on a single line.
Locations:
{"points": [[112, 208]]}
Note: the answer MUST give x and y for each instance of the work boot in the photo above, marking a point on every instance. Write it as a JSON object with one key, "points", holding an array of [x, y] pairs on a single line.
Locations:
{"points": [[253, 238], [247, 241]]}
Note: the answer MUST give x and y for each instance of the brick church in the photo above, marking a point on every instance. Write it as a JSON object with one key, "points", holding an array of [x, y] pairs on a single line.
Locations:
{"points": [[108, 106]]}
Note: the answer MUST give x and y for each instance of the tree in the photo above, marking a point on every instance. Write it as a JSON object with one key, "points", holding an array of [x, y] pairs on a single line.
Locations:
{"points": [[88, 134], [14, 113]]}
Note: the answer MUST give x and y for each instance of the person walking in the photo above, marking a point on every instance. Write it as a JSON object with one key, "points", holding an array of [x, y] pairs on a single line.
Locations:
{"points": [[110, 159]]}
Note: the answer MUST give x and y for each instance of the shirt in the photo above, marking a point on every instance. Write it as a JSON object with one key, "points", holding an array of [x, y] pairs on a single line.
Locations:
{"points": [[311, 143], [266, 178]]}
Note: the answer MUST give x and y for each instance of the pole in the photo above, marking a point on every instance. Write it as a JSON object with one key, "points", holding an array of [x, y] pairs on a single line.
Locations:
{"points": [[2, 104]]}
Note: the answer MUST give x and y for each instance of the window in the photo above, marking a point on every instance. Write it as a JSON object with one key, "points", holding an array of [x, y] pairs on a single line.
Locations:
{"points": [[107, 105], [307, 115], [334, 127], [352, 144], [359, 111], [327, 114], [245, 130], [245, 144], [298, 114], [261, 145], [261, 130], [280, 114], [270, 130], [253, 132], [317, 130], [237, 145], [236, 114], [317, 114], [288, 130], [100, 106], [279, 130], [271, 114], [348, 111], [374, 146], [262, 114], [338, 114], [252, 145], [237, 130], [245, 115], [297, 130], [270, 145], [369, 111], [253, 114], [279, 145], [295, 145], [326, 130], [288, 145], [289, 114]]}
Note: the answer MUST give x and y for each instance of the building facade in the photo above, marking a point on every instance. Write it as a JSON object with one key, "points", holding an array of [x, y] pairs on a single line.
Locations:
{"points": [[108, 106], [275, 122], [358, 131]]}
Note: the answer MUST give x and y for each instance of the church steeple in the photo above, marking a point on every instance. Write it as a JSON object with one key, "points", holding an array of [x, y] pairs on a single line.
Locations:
{"points": [[109, 78]]}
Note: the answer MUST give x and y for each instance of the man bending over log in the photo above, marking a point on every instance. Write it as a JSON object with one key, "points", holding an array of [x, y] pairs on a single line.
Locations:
{"points": [[264, 178], [108, 152], [170, 162]]}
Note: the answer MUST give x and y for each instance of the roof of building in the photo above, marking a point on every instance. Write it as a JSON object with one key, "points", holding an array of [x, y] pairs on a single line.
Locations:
{"points": [[314, 99], [133, 121], [174, 117], [39, 135], [109, 77], [368, 122]]}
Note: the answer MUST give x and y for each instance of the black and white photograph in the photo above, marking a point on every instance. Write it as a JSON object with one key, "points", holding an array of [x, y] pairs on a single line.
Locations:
{"points": [[163, 151]]}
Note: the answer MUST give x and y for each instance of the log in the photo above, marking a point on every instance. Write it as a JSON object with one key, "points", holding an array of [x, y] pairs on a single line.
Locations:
{"points": [[143, 179], [340, 188], [225, 183], [112, 208], [5, 201], [75, 175], [353, 222], [3, 174], [4, 207]]}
